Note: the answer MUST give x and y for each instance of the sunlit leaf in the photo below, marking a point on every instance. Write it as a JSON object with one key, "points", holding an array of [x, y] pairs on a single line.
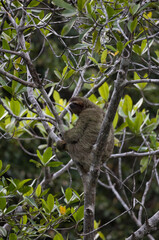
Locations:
{"points": [[104, 91], [50, 202], [104, 56], [58, 236], [56, 96], [47, 155], [12, 236], [34, 3], [115, 120], [38, 190], [15, 107]]}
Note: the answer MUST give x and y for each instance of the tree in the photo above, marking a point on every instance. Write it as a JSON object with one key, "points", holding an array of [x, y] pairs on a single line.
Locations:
{"points": [[103, 50]]}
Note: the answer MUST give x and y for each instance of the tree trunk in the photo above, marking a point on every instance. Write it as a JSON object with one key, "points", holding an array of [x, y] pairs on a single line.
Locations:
{"points": [[89, 184]]}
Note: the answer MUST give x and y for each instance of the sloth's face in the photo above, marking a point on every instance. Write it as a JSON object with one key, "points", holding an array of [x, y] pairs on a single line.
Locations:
{"points": [[75, 108]]}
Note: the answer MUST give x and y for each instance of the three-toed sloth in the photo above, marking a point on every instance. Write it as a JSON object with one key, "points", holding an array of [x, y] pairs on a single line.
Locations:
{"points": [[79, 140]]}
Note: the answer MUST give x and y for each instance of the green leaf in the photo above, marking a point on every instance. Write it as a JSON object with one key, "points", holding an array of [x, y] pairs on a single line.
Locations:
{"points": [[64, 71], [69, 74], [15, 107], [5, 45], [44, 205], [134, 9], [50, 202], [80, 4], [45, 18], [111, 48], [2, 201], [144, 163], [63, 4], [127, 106], [135, 123], [121, 127], [58, 236], [5, 170], [69, 13], [39, 156], [136, 76], [137, 49], [58, 74], [120, 46], [68, 194], [2, 111], [54, 164], [7, 38], [104, 56], [137, 106], [79, 214], [138, 121], [34, 3], [21, 183], [47, 155], [115, 120], [10, 209], [24, 219], [68, 26], [56, 96], [38, 190], [143, 45], [98, 45], [154, 143], [104, 91], [36, 163], [132, 25], [30, 201], [89, 9], [93, 60], [110, 11], [1, 164], [12, 236]]}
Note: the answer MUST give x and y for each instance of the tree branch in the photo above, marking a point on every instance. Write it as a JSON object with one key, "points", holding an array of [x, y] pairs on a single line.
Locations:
{"points": [[149, 226], [25, 83]]}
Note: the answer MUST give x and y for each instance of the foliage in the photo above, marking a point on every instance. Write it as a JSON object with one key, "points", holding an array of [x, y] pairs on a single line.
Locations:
{"points": [[103, 50]]}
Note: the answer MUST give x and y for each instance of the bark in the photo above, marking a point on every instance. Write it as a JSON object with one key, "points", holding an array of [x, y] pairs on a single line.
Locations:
{"points": [[89, 205], [152, 224]]}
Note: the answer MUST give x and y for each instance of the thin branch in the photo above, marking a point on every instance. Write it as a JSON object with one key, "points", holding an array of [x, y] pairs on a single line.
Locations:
{"points": [[127, 83], [25, 83], [135, 154]]}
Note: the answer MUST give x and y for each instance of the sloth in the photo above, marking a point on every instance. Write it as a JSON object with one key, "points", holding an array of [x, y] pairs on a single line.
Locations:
{"points": [[79, 140]]}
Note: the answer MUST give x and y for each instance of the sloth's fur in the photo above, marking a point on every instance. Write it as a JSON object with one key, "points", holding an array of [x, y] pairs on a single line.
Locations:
{"points": [[80, 139]]}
